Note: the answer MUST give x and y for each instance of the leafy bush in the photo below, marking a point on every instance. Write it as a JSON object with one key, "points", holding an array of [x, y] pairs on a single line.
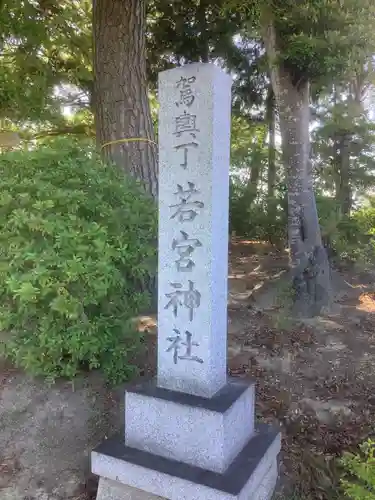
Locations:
{"points": [[365, 220], [77, 240], [359, 480], [250, 219], [348, 238]]}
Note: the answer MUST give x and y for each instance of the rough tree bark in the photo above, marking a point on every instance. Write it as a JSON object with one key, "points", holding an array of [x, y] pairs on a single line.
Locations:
{"points": [[344, 147], [121, 103], [343, 189], [203, 39], [252, 186], [271, 178], [341, 164], [309, 262]]}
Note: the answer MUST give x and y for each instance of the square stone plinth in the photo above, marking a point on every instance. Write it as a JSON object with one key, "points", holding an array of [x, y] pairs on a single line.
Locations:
{"points": [[112, 490], [205, 432], [251, 476]]}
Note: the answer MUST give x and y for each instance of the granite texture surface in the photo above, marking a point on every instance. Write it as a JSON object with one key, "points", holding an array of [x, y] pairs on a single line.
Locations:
{"points": [[191, 434], [221, 401], [112, 490], [194, 140], [266, 487], [254, 470]]}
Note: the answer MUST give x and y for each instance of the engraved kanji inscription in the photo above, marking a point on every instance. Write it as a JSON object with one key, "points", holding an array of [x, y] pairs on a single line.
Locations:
{"points": [[177, 343], [185, 123], [190, 299], [186, 93], [185, 246], [186, 209], [185, 148]]}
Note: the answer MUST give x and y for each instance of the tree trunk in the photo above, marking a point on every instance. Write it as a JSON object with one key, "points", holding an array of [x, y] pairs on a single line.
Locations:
{"points": [[344, 194], [122, 109], [271, 120], [309, 262], [355, 108], [252, 186], [204, 38]]}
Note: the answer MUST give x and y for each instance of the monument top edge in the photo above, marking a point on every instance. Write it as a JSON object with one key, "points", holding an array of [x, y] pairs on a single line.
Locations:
{"points": [[194, 67]]}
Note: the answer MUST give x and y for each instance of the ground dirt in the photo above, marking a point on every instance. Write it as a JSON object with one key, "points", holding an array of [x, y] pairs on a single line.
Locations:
{"points": [[315, 378]]}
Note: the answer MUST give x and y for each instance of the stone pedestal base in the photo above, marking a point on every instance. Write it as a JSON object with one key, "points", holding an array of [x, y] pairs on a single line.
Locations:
{"points": [[251, 476], [183, 447], [112, 490], [204, 432]]}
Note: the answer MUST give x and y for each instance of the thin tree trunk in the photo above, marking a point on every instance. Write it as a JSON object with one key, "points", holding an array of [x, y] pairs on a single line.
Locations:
{"points": [[122, 109], [309, 262], [344, 194], [355, 107], [271, 120], [252, 187], [203, 39]]}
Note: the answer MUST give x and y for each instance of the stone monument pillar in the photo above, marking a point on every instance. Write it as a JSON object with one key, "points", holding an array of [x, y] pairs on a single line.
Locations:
{"points": [[190, 433]]}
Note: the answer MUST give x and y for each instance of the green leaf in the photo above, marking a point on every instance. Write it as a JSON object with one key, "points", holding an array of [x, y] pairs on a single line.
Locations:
{"points": [[27, 292]]}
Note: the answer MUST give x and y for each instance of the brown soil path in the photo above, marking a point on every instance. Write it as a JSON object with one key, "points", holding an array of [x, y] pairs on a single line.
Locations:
{"points": [[317, 377]]}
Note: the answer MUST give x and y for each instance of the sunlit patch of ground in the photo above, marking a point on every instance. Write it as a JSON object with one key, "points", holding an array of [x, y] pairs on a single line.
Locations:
{"points": [[366, 302]]}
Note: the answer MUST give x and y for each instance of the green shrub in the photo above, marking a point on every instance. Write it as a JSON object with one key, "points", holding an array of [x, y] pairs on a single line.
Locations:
{"points": [[77, 241], [348, 238], [358, 482], [365, 218], [249, 218]]}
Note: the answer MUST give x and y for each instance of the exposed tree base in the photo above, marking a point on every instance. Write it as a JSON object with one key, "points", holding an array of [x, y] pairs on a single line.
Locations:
{"points": [[311, 283]]}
